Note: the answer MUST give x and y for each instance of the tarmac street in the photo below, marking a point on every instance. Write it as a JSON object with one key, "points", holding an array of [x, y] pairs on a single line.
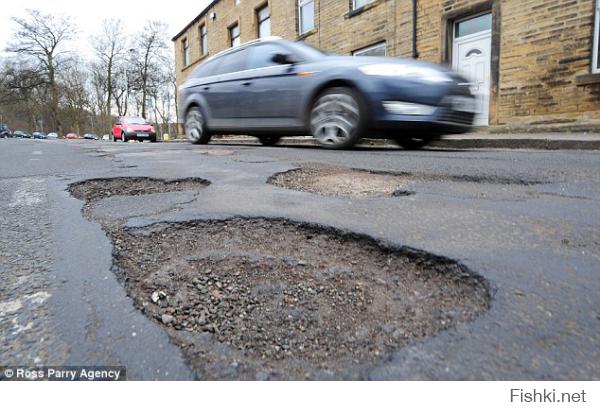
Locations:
{"points": [[524, 222]]}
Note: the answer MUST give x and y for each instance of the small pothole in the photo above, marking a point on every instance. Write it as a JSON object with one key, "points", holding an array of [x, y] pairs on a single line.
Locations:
{"points": [[339, 181], [288, 300], [350, 182], [96, 189]]}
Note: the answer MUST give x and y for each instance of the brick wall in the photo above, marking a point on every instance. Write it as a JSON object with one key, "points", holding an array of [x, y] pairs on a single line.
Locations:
{"points": [[543, 47]]}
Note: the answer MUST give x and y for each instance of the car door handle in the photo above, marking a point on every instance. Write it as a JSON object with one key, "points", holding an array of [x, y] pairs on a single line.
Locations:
{"points": [[206, 88], [246, 83]]}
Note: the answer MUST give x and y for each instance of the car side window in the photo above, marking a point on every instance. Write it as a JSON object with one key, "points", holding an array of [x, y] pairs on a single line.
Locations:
{"points": [[207, 69], [262, 55], [233, 62]]}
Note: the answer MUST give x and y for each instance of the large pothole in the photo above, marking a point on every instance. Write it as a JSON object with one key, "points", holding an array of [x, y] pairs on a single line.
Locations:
{"points": [[96, 189], [350, 182], [290, 301], [274, 299]]}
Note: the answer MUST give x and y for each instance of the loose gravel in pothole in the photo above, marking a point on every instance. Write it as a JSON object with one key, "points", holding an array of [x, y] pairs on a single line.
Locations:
{"points": [[338, 181], [257, 299], [348, 182], [96, 189]]}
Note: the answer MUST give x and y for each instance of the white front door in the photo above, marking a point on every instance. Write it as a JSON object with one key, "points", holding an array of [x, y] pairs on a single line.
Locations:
{"points": [[472, 58]]}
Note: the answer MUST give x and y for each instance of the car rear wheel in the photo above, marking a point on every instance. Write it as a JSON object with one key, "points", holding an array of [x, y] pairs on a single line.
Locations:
{"points": [[195, 127], [268, 140], [336, 119]]}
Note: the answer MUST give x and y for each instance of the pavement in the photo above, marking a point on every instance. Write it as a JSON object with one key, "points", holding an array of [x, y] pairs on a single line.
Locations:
{"points": [[472, 140], [526, 220]]}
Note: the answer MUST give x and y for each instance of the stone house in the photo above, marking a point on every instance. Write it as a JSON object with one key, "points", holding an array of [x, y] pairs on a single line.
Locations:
{"points": [[534, 63]]}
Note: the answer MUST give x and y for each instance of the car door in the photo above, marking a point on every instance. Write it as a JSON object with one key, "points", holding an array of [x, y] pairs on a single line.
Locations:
{"points": [[221, 94], [271, 92]]}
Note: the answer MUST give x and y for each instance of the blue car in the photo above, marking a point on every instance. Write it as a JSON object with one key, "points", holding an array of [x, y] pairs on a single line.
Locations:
{"points": [[271, 88]]}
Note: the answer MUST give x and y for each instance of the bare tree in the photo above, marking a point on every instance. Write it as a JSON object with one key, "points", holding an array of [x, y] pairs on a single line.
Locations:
{"points": [[109, 47], [42, 37], [149, 52]]}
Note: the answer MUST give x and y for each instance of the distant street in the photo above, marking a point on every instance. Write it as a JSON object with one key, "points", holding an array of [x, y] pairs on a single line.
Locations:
{"points": [[526, 221]]}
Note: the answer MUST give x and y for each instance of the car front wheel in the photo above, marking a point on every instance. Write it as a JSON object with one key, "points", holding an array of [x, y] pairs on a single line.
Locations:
{"points": [[336, 118], [195, 127]]}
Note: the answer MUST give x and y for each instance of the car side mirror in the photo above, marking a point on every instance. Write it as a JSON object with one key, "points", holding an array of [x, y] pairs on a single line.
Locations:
{"points": [[283, 58]]}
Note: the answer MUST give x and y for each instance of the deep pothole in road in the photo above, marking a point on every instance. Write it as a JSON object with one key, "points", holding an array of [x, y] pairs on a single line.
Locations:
{"points": [[274, 299], [97, 189], [350, 182]]}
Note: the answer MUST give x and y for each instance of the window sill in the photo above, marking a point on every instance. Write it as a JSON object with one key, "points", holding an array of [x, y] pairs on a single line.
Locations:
{"points": [[586, 79], [360, 10], [307, 34]]}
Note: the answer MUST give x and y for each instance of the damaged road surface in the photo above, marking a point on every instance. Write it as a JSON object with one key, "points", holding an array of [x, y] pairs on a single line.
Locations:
{"points": [[180, 262]]}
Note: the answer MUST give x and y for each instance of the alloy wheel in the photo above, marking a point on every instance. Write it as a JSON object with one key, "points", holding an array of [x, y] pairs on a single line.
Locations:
{"points": [[335, 118], [194, 126]]}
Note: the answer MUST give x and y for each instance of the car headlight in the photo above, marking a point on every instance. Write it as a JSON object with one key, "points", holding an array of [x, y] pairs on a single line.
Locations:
{"points": [[406, 70], [129, 130]]}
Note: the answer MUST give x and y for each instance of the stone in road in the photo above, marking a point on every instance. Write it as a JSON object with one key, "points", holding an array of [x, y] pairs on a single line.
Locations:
{"points": [[526, 221]]}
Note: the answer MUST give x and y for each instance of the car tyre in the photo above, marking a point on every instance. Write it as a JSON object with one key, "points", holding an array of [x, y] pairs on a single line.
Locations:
{"points": [[268, 140], [195, 127], [123, 138], [337, 118]]}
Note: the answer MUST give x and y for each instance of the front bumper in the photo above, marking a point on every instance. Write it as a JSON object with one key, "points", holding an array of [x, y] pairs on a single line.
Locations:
{"points": [[141, 135], [402, 106]]}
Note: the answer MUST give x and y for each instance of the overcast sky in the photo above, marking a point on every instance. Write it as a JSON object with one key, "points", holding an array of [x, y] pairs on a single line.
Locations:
{"points": [[88, 15]]}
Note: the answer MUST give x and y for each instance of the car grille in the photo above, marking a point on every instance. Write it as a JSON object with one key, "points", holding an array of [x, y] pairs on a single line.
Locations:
{"points": [[447, 115]]}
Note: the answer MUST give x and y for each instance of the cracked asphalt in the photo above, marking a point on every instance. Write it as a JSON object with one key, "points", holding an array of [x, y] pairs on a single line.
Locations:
{"points": [[527, 221]]}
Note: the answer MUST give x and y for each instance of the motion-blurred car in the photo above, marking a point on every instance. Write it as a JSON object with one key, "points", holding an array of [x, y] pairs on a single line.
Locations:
{"points": [[133, 128], [5, 131], [272, 87], [39, 135], [90, 136], [52, 136], [72, 136], [21, 134]]}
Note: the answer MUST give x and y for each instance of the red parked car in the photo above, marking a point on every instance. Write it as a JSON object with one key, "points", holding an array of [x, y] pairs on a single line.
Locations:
{"points": [[72, 136], [133, 128]]}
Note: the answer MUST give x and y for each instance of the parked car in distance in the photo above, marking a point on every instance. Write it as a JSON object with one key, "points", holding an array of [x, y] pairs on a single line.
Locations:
{"points": [[133, 128], [21, 134], [39, 135], [90, 136], [271, 88], [5, 131], [52, 136], [72, 136]]}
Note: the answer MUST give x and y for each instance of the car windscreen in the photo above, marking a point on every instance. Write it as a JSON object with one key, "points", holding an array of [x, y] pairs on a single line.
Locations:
{"points": [[135, 120], [308, 51]]}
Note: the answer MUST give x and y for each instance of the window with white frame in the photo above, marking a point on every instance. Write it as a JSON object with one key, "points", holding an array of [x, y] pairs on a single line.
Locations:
{"points": [[264, 22], [357, 4], [306, 16], [186, 52], [596, 45], [234, 35], [203, 40], [378, 49]]}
